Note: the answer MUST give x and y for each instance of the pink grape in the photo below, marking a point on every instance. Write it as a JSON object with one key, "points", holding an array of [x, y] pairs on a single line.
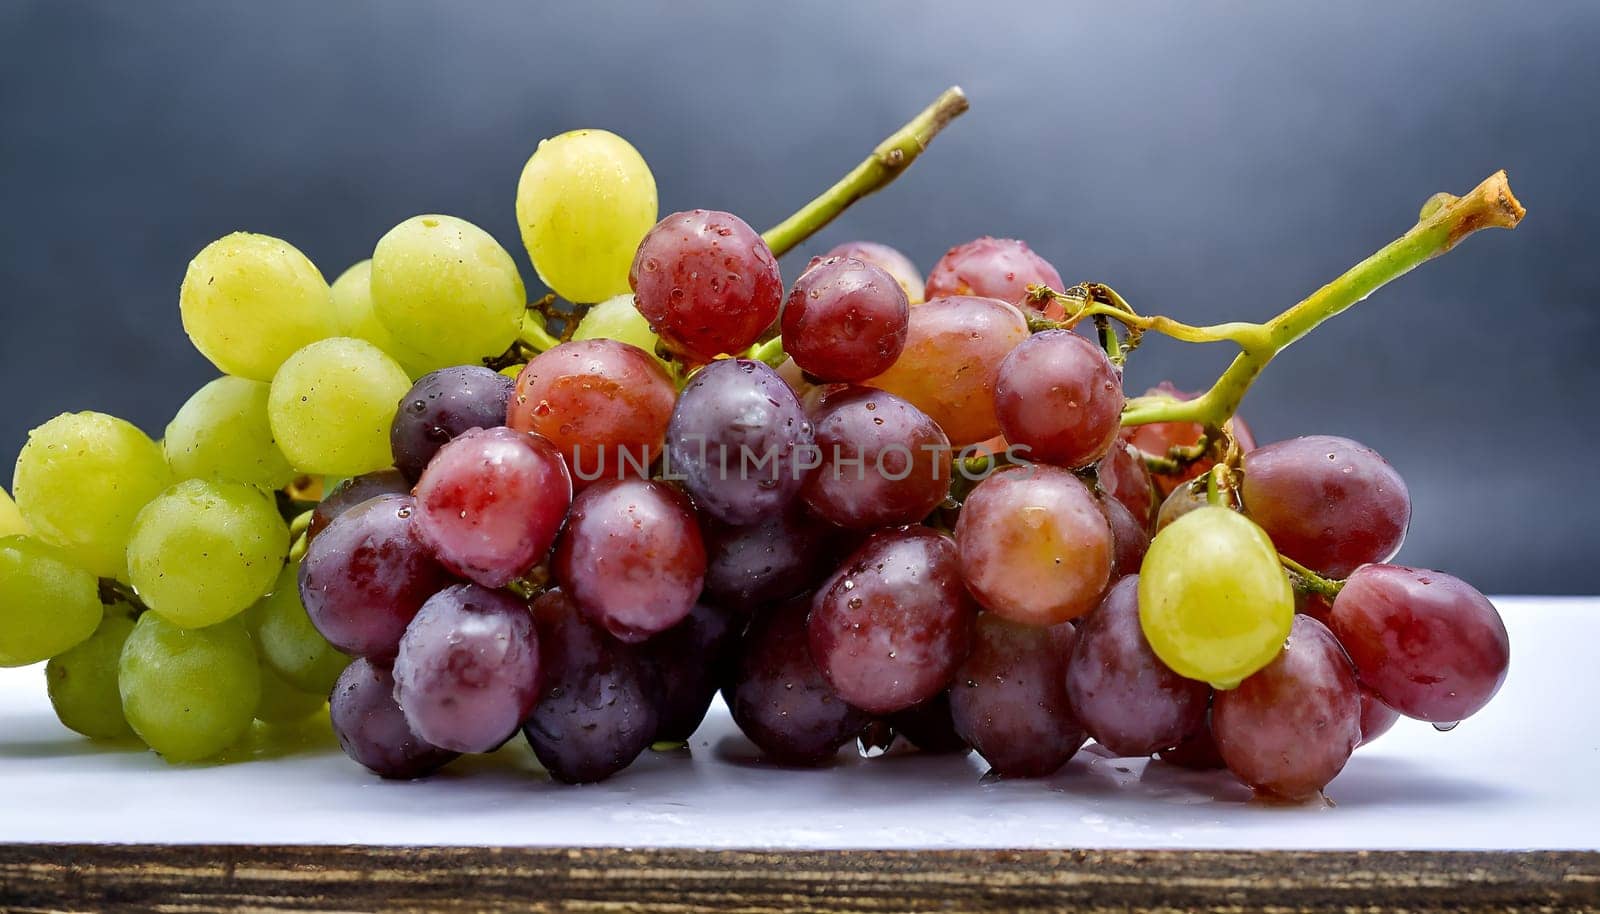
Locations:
{"points": [[1128, 538], [890, 260], [1000, 268], [1376, 717], [1123, 476], [706, 282], [884, 462], [1059, 396], [372, 729], [845, 320]]}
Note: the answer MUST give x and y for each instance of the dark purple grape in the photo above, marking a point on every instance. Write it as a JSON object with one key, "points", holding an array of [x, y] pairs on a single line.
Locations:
{"points": [[468, 671], [1197, 753], [778, 696], [890, 627], [884, 462], [692, 659], [929, 726], [761, 563], [631, 556], [1376, 717], [352, 492], [1129, 538], [706, 282], [490, 504], [440, 406], [1289, 728], [1009, 700], [738, 441], [601, 705], [1060, 397], [372, 729], [845, 320], [1127, 699], [365, 577], [1427, 644], [1000, 268], [1329, 503]]}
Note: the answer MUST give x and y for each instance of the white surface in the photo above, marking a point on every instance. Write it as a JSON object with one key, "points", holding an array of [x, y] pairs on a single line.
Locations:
{"points": [[1522, 774]]}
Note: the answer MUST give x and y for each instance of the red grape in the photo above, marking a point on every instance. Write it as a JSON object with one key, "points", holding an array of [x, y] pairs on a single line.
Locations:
{"points": [[1180, 501], [1059, 396], [1427, 644], [948, 367], [599, 710], [1376, 717], [1157, 438], [1289, 728], [1009, 700], [929, 726], [1000, 268], [845, 320], [1034, 545], [352, 492], [365, 577], [1197, 753], [1129, 539], [737, 439], [891, 625], [772, 559], [884, 462], [631, 556], [1127, 699], [1123, 476], [468, 671], [691, 660], [372, 729], [706, 282], [603, 404], [779, 698], [442, 405], [1329, 503], [890, 260], [491, 502]]}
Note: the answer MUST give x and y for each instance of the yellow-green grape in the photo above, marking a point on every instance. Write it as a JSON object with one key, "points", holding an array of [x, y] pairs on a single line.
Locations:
{"points": [[290, 646], [585, 200], [1214, 601], [83, 681], [617, 319], [81, 480], [11, 522], [48, 603], [250, 301], [446, 291], [331, 406], [189, 693], [352, 301], [282, 703], [223, 432], [512, 371], [205, 550]]}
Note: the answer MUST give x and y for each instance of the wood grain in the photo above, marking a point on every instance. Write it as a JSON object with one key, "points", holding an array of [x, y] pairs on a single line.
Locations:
{"points": [[235, 878]]}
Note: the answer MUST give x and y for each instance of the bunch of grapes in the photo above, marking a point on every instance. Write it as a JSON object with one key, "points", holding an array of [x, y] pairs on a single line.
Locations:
{"points": [[865, 506]]}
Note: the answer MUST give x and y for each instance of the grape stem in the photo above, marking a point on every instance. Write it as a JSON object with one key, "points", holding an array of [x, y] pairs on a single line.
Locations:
{"points": [[1443, 222], [893, 156], [114, 591], [1308, 581]]}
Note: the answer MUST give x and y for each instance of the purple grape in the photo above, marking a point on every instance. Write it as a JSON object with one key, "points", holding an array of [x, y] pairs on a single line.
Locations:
{"points": [[352, 492], [692, 659], [365, 577], [372, 729], [930, 726], [600, 706], [631, 556], [738, 441], [1376, 717], [442, 405], [1129, 538], [1009, 700], [1197, 753], [1060, 397], [778, 696], [890, 627], [884, 462], [468, 671], [845, 320], [761, 563], [1121, 692]]}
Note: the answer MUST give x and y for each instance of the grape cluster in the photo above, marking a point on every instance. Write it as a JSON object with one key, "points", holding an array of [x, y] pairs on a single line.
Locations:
{"points": [[862, 505]]}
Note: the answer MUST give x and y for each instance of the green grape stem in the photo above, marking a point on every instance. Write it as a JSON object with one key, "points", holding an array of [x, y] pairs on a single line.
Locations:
{"points": [[1444, 221], [893, 156], [1308, 581], [114, 591]]}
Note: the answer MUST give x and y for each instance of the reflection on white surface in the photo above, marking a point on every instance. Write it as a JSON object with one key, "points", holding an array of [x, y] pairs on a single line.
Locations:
{"points": [[1519, 775]]}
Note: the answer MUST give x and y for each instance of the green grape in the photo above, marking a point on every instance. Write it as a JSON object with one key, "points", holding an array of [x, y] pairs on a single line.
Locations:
{"points": [[617, 319], [446, 291], [189, 693], [331, 406], [223, 432], [83, 681], [1214, 601], [11, 522], [205, 550], [250, 301], [352, 302], [585, 200], [81, 480], [282, 703], [48, 604], [512, 371], [290, 646]]}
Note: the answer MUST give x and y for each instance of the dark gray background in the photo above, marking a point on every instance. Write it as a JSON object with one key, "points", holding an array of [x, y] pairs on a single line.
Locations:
{"points": [[1211, 164]]}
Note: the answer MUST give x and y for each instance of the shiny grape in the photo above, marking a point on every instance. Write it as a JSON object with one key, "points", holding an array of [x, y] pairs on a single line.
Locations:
{"points": [[289, 643], [352, 492], [352, 303], [82, 682], [1186, 497], [331, 405], [189, 693], [1129, 541], [250, 301], [1059, 396], [442, 405], [884, 462], [691, 660], [888, 259], [1376, 717], [776, 557], [845, 320], [373, 730], [1000, 268], [223, 432], [48, 604], [706, 282], [929, 726], [1123, 476], [11, 522], [617, 319], [1009, 700]]}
